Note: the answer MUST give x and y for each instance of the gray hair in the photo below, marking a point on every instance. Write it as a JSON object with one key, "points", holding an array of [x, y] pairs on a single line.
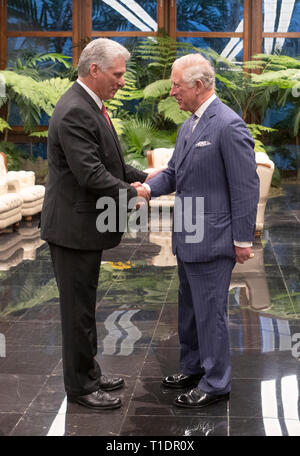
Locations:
{"points": [[101, 51], [196, 67]]}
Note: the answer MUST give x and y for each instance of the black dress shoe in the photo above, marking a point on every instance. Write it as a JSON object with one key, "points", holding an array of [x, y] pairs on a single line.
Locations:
{"points": [[111, 383], [98, 400], [197, 399], [181, 380]]}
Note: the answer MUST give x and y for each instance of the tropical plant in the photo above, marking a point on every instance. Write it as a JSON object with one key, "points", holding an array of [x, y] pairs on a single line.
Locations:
{"points": [[26, 87], [32, 98], [281, 78]]}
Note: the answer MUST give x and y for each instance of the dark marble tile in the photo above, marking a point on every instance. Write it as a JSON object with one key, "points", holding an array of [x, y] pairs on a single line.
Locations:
{"points": [[7, 422], [257, 364], [47, 311], [29, 333], [160, 362], [18, 390], [276, 397], [66, 424], [165, 333], [151, 398], [30, 359], [176, 426], [271, 427], [169, 314], [128, 366]]}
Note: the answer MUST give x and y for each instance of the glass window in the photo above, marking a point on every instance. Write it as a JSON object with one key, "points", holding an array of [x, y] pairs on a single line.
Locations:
{"points": [[22, 46], [39, 15], [284, 46], [210, 16], [230, 48], [281, 16], [124, 15]]}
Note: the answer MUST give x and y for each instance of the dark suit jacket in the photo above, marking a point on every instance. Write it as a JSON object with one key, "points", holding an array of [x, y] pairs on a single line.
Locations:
{"points": [[216, 162], [85, 163]]}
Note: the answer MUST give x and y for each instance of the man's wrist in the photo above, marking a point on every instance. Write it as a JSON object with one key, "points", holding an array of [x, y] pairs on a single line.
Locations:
{"points": [[243, 245]]}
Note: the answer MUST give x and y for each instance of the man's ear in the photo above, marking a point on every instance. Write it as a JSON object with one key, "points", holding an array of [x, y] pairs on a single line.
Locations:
{"points": [[94, 70], [199, 85]]}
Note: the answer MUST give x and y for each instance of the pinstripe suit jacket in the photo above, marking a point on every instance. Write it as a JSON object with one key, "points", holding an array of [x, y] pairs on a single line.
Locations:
{"points": [[217, 162]]}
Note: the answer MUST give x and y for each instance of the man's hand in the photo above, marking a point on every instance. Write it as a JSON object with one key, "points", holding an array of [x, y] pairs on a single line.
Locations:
{"points": [[154, 173], [143, 194], [243, 254]]}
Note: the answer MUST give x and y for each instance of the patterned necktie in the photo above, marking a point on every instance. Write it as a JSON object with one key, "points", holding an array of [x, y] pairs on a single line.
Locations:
{"points": [[104, 112]]}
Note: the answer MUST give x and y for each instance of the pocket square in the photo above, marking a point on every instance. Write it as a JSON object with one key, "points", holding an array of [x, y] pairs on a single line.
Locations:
{"points": [[203, 143]]}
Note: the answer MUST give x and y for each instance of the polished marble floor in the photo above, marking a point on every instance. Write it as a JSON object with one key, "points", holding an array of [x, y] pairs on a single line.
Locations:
{"points": [[137, 330]]}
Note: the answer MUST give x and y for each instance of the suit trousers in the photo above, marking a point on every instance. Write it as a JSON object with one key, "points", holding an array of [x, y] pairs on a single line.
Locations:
{"points": [[77, 275], [202, 322]]}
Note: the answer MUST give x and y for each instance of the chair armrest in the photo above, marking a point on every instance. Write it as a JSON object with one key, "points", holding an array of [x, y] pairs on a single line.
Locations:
{"points": [[26, 178], [13, 185]]}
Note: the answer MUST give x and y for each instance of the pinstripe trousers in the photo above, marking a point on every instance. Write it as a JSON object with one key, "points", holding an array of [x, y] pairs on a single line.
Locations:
{"points": [[202, 322]]}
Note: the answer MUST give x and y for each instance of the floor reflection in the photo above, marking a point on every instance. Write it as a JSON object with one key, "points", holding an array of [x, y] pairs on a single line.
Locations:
{"points": [[137, 327]]}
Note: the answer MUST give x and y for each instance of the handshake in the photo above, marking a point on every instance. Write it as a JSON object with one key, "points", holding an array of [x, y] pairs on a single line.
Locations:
{"points": [[143, 195]]}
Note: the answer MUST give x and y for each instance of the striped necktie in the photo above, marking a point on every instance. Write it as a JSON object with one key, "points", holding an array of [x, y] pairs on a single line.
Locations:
{"points": [[104, 112]]}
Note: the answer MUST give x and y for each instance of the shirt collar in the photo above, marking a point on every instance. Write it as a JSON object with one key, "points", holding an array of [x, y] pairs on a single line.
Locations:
{"points": [[92, 94], [205, 105]]}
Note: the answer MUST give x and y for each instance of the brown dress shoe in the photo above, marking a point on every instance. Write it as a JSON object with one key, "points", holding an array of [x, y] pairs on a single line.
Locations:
{"points": [[98, 400]]}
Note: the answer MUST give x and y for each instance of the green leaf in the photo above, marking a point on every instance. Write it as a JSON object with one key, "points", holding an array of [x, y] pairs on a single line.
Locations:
{"points": [[3, 125], [158, 88], [170, 110]]}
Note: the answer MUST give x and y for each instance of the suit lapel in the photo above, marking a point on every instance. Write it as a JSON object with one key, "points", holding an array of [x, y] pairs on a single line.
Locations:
{"points": [[187, 141], [109, 130]]}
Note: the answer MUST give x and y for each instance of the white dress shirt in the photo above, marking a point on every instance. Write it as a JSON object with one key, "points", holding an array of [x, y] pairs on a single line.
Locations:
{"points": [[91, 93]]}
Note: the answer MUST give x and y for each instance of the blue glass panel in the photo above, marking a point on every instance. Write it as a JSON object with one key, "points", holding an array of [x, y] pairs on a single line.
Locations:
{"points": [[281, 16], [284, 46], [230, 48], [41, 15], [124, 15], [129, 42], [18, 47], [210, 16]]}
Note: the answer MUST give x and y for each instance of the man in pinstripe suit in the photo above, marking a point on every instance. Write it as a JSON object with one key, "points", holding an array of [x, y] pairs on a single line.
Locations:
{"points": [[214, 160]]}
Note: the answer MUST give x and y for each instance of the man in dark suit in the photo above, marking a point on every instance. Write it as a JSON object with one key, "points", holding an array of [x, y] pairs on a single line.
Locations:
{"points": [[85, 164], [213, 172]]}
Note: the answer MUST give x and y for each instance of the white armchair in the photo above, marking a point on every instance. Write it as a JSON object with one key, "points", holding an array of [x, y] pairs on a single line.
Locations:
{"points": [[23, 183], [159, 158], [265, 170], [10, 206]]}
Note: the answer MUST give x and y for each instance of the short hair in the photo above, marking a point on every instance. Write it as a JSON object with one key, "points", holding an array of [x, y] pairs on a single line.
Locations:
{"points": [[196, 67], [103, 52]]}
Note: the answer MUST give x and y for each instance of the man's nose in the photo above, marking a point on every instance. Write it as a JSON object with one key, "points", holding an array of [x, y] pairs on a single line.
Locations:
{"points": [[122, 82]]}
